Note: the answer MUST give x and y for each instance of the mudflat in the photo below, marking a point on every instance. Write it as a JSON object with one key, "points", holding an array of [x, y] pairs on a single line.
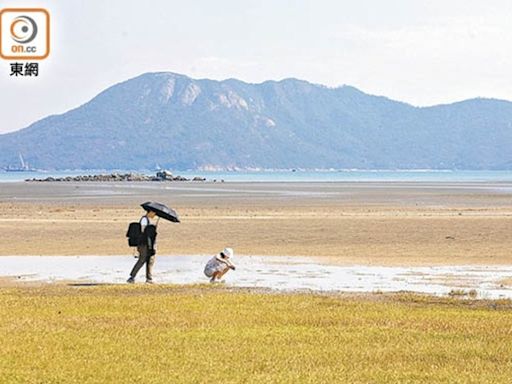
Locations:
{"points": [[368, 223]]}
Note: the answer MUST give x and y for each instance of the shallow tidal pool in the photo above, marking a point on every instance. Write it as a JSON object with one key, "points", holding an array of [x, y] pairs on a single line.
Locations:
{"points": [[271, 272]]}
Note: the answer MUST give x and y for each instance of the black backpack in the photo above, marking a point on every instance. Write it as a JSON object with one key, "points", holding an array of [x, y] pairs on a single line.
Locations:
{"points": [[134, 234]]}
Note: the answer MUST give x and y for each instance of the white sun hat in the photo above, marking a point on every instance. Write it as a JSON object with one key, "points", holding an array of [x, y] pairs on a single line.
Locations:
{"points": [[228, 252]]}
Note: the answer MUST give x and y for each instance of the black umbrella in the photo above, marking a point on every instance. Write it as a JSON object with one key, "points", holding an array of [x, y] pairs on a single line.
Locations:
{"points": [[161, 210]]}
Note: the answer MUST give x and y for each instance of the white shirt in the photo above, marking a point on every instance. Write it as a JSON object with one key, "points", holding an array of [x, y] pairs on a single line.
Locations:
{"points": [[144, 221]]}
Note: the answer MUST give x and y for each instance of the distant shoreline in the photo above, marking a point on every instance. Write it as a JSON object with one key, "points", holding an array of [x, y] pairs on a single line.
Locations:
{"points": [[266, 176]]}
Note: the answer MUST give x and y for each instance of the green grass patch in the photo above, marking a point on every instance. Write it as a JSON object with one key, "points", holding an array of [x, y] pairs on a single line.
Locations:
{"points": [[165, 334]]}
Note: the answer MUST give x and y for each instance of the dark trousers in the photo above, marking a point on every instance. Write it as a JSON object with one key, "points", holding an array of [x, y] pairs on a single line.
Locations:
{"points": [[144, 258]]}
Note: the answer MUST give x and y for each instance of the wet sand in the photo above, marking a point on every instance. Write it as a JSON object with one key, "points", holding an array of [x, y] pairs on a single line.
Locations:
{"points": [[281, 273], [384, 224]]}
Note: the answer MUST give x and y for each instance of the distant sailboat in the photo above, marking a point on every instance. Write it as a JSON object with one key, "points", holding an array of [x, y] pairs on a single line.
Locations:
{"points": [[24, 166]]}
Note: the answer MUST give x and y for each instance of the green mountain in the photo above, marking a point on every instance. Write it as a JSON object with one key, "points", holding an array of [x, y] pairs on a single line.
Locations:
{"points": [[183, 123]]}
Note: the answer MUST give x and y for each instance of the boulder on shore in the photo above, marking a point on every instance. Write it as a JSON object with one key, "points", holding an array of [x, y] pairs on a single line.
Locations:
{"points": [[160, 176]]}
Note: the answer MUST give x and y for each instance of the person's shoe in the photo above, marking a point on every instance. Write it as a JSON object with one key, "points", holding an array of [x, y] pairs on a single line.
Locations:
{"points": [[212, 280], [150, 281], [131, 280]]}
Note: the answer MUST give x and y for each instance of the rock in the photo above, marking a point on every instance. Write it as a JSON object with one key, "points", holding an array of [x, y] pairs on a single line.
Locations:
{"points": [[164, 175], [116, 177]]}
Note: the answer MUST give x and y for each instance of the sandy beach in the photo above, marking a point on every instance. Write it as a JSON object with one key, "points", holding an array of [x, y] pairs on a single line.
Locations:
{"points": [[389, 224]]}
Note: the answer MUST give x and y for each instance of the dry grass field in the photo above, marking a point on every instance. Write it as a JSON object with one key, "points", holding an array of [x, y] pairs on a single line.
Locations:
{"points": [[204, 334]]}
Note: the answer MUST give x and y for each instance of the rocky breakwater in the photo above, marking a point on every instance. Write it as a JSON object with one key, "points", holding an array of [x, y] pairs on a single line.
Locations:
{"points": [[160, 176]]}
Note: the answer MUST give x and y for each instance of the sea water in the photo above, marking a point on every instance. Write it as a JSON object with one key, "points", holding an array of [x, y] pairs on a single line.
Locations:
{"points": [[297, 176]]}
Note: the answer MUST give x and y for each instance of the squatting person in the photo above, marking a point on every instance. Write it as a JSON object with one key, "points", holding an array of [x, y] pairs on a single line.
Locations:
{"points": [[219, 265]]}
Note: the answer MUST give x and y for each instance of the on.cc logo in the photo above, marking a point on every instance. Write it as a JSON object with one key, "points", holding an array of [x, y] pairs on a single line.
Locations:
{"points": [[23, 29], [24, 33]]}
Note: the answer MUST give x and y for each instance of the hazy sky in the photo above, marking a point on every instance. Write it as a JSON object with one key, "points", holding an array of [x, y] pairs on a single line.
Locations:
{"points": [[421, 52]]}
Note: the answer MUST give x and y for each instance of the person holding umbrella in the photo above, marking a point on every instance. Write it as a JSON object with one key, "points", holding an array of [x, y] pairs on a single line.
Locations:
{"points": [[147, 243]]}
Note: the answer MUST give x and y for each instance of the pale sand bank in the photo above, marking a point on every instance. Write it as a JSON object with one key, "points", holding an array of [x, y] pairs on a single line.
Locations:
{"points": [[283, 273], [410, 224]]}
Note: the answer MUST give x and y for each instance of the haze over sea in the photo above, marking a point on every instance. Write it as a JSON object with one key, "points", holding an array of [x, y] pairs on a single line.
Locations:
{"points": [[296, 176]]}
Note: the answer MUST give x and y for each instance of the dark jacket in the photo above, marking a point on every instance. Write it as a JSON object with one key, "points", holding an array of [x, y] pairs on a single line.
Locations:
{"points": [[149, 238]]}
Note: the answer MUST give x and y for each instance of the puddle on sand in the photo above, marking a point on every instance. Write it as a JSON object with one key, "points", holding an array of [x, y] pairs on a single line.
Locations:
{"points": [[280, 273]]}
